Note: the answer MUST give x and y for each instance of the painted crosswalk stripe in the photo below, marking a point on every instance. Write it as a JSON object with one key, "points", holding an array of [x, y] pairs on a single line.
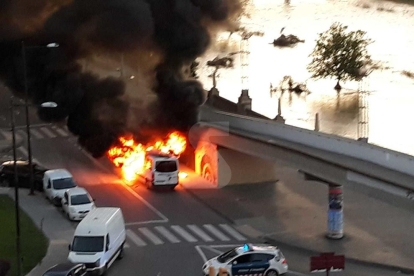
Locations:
{"points": [[180, 231], [197, 230], [167, 234], [213, 230], [147, 233], [135, 239], [48, 132], [6, 134], [60, 131], [36, 134], [230, 230], [23, 151], [21, 133]]}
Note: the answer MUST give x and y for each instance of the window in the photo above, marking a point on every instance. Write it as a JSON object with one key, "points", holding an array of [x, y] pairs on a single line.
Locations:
{"points": [[166, 166], [107, 243], [49, 184], [261, 257], [63, 183], [227, 256], [79, 199], [242, 259], [66, 197], [88, 244]]}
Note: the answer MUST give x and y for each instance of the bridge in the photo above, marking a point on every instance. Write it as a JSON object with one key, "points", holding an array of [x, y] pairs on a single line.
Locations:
{"points": [[236, 149]]}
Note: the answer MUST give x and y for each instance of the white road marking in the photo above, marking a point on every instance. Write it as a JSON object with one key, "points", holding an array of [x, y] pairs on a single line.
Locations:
{"points": [[6, 134], [61, 131], [230, 230], [152, 208], [23, 151], [213, 230], [147, 233], [197, 230], [126, 245], [187, 236], [36, 134], [203, 256], [167, 234], [48, 132], [21, 133], [135, 239]]}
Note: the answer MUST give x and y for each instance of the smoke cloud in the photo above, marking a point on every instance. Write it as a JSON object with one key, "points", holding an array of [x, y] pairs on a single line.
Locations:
{"points": [[96, 109]]}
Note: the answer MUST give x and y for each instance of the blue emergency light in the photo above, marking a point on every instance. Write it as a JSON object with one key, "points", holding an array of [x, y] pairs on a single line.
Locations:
{"points": [[247, 247]]}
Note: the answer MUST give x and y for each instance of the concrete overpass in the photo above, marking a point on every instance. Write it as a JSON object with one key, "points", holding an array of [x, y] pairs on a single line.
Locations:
{"points": [[235, 149]]}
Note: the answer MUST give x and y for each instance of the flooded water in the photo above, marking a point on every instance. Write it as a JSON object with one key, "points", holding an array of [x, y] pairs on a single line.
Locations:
{"points": [[391, 94]]}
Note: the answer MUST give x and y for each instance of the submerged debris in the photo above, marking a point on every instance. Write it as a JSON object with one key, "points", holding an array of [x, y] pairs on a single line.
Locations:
{"points": [[286, 41]]}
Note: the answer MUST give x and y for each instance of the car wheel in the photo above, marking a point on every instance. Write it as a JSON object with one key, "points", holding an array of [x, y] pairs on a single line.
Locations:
{"points": [[272, 273], [121, 253]]}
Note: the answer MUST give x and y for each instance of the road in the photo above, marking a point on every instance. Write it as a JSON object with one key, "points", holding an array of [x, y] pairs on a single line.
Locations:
{"points": [[168, 233]]}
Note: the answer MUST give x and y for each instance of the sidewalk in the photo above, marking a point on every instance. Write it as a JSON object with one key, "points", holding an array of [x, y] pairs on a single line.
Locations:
{"points": [[378, 227], [52, 222]]}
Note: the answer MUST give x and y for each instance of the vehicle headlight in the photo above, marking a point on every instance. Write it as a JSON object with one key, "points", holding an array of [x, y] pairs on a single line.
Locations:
{"points": [[98, 262]]}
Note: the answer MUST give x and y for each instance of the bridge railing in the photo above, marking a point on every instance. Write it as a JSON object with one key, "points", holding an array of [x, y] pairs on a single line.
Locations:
{"points": [[387, 158]]}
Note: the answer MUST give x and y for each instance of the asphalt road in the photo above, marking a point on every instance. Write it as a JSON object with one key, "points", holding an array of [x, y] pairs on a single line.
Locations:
{"points": [[168, 233]]}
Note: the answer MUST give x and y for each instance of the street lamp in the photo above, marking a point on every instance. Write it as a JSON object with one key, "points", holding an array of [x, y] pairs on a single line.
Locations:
{"points": [[26, 101], [16, 178]]}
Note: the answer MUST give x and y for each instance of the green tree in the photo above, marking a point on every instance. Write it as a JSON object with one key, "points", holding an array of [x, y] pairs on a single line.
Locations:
{"points": [[341, 55]]}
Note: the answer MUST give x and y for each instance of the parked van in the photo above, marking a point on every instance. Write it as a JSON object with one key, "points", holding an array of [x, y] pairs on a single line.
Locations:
{"points": [[161, 170], [99, 239], [55, 183]]}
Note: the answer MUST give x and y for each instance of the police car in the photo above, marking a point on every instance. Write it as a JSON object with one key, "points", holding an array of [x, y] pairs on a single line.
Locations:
{"points": [[252, 260]]}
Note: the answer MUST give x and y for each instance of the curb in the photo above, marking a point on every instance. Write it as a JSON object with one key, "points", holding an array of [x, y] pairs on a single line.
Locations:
{"points": [[404, 270], [265, 238]]}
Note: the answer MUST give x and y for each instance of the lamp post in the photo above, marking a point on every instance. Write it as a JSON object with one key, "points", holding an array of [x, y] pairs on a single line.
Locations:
{"points": [[26, 102], [16, 179]]}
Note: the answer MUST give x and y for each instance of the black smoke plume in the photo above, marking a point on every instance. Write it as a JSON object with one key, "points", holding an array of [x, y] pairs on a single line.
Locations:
{"points": [[96, 109]]}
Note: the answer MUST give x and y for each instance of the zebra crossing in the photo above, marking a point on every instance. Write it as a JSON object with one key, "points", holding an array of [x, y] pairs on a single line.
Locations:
{"points": [[174, 234], [36, 133]]}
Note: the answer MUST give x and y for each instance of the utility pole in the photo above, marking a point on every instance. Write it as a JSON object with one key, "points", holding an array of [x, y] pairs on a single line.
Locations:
{"points": [[363, 111], [16, 192], [26, 107]]}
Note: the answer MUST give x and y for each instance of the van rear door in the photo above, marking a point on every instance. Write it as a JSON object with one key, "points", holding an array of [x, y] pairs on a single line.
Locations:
{"points": [[166, 172]]}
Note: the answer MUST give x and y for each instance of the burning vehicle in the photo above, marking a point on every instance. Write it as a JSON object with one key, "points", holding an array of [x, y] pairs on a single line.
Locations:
{"points": [[157, 163]]}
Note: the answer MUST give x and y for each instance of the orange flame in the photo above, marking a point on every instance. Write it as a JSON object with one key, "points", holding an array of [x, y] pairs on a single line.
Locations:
{"points": [[130, 155]]}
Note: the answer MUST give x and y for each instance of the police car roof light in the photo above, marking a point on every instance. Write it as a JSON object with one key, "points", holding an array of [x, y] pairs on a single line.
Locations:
{"points": [[247, 247]]}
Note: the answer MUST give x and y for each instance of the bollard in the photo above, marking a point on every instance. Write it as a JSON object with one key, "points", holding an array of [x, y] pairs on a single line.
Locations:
{"points": [[223, 272], [211, 271]]}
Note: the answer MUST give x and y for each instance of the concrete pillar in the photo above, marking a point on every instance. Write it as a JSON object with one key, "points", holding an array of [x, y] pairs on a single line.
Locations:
{"points": [[317, 122], [335, 213], [245, 102]]}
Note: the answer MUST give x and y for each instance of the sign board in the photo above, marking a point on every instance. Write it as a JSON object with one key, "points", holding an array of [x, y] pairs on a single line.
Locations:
{"points": [[327, 262]]}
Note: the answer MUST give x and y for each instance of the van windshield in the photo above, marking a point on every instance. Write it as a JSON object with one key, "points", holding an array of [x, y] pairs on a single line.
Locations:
{"points": [[88, 244], [166, 166], [63, 183]]}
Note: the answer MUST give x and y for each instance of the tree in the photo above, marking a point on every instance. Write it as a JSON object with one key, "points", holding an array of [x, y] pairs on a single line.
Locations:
{"points": [[340, 54]]}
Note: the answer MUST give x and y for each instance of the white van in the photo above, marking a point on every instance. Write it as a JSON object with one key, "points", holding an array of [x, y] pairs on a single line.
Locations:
{"points": [[55, 183], [161, 170], [99, 239]]}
